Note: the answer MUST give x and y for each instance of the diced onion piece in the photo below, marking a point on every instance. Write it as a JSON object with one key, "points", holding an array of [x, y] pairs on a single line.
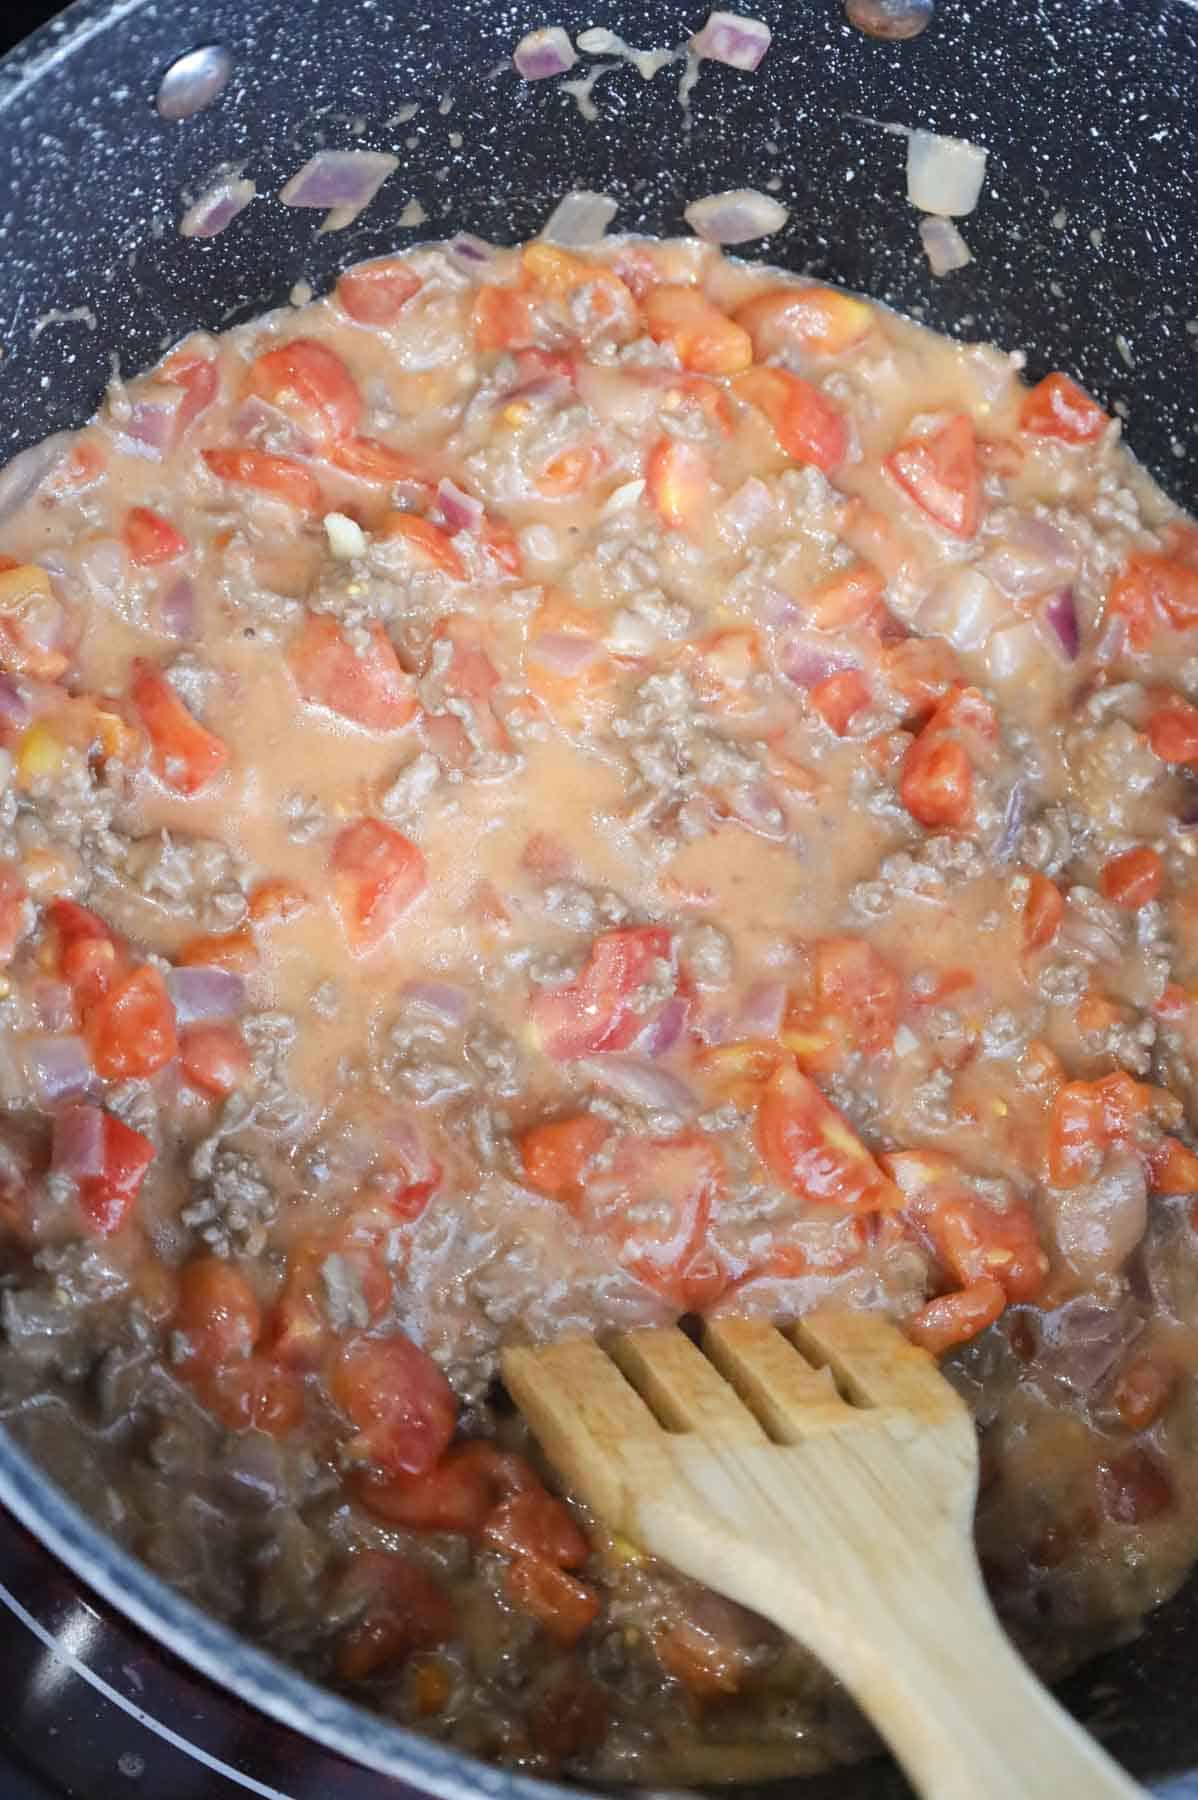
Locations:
{"points": [[176, 609], [580, 219], [77, 1142], [461, 511], [943, 245], [345, 535], [944, 174], [730, 38], [761, 1013], [964, 607], [809, 657], [621, 498], [735, 217], [640, 1083], [24, 474], [663, 1031], [60, 1067], [209, 215], [469, 254], [547, 51], [339, 181], [152, 423], [563, 652], [445, 1001], [1013, 650], [14, 704], [1060, 614], [204, 992]]}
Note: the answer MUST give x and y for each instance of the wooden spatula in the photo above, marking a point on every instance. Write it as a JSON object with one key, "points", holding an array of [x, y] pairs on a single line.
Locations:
{"points": [[824, 1476]]}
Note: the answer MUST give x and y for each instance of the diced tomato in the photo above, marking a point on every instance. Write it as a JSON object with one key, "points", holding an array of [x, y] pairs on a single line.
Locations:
{"points": [[369, 688], [850, 598], [707, 396], [458, 1494], [1133, 879], [36, 631], [699, 1660], [1135, 1488], [1057, 408], [1172, 728], [500, 546], [807, 1145], [253, 1394], [368, 459], [1043, 911], [502, 318], [921, 671], [940, 473], [595, 1012], [564, 1606], [473, 677], [1154, 592], [81, 468], [150, 539], [198, 376], [817, 321], [561, 274], [214, 1058], [218, 1313], [570, 472], [956, 1318], [739, 1071], [655, 1209], [235, 951], [403, 1610], [806, 425], [538, 366], [1077, 1133], [279, 476], [532, 1523], [278, 901], [87, 957], [375, 293], [555, 1154], [679, 484], [430, 546], [311, 384], [858, 987], [187, 756], [400, 1404], [1174, 1167], [839, 698], [106, 1200], [377, 875], [1143, 1391], [131, 1029], [936, 784], [706, 340], [975, 1242]]}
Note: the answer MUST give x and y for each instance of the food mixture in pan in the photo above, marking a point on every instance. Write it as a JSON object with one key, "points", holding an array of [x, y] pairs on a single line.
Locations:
{"points": [[551, 791]]}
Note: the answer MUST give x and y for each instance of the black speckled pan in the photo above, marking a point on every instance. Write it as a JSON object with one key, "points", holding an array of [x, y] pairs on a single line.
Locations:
{"points": [[1086, 243]]}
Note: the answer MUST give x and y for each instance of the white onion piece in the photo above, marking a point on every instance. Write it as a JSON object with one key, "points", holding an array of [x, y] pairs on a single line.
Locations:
{"points": [[730, 38], [640, 1083], [756, 805], [103, 568], [748, 509], [580, 219], [964, 608], [23, 475], [809, 657], [1099, 1224], [943, 245], [736, 217], [461, 511], [762, 1010], [1032, 556], [262, 424], [77, 1142], [621, 498], [543, 53], [944, 174], [153, 421], [14, 705], [59, 1067], [204, 992], [563, 652], [1013, 650], [209, 215], [339, 181], [447, 1003]]}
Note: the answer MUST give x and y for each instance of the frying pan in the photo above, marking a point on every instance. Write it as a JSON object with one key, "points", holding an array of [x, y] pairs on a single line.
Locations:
{"points": [[1086, 257]]}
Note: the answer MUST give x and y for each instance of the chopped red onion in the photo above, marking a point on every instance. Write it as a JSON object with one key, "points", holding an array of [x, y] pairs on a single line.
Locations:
{"points": [[403, 1137], [77, 1142], [103, 567], [209, 215], [177, 609], [736, 217], [639, 1082], [564, 652], [461, 511], [340, 181], [665, 1028], [469, 254], [756, 805], [204, 992], [580, 219], [731, 38], [809, 657], [1187, 812], [761, 1013], [24, 473], [943, 245], [60, 1066], [1060, 613], [53, 1003], [545, 52], [1032, 556], [155, 414], [14, 705], [1082, 1341], [1013, 821], [944, 174], [447, 1003], [747, 510]]}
